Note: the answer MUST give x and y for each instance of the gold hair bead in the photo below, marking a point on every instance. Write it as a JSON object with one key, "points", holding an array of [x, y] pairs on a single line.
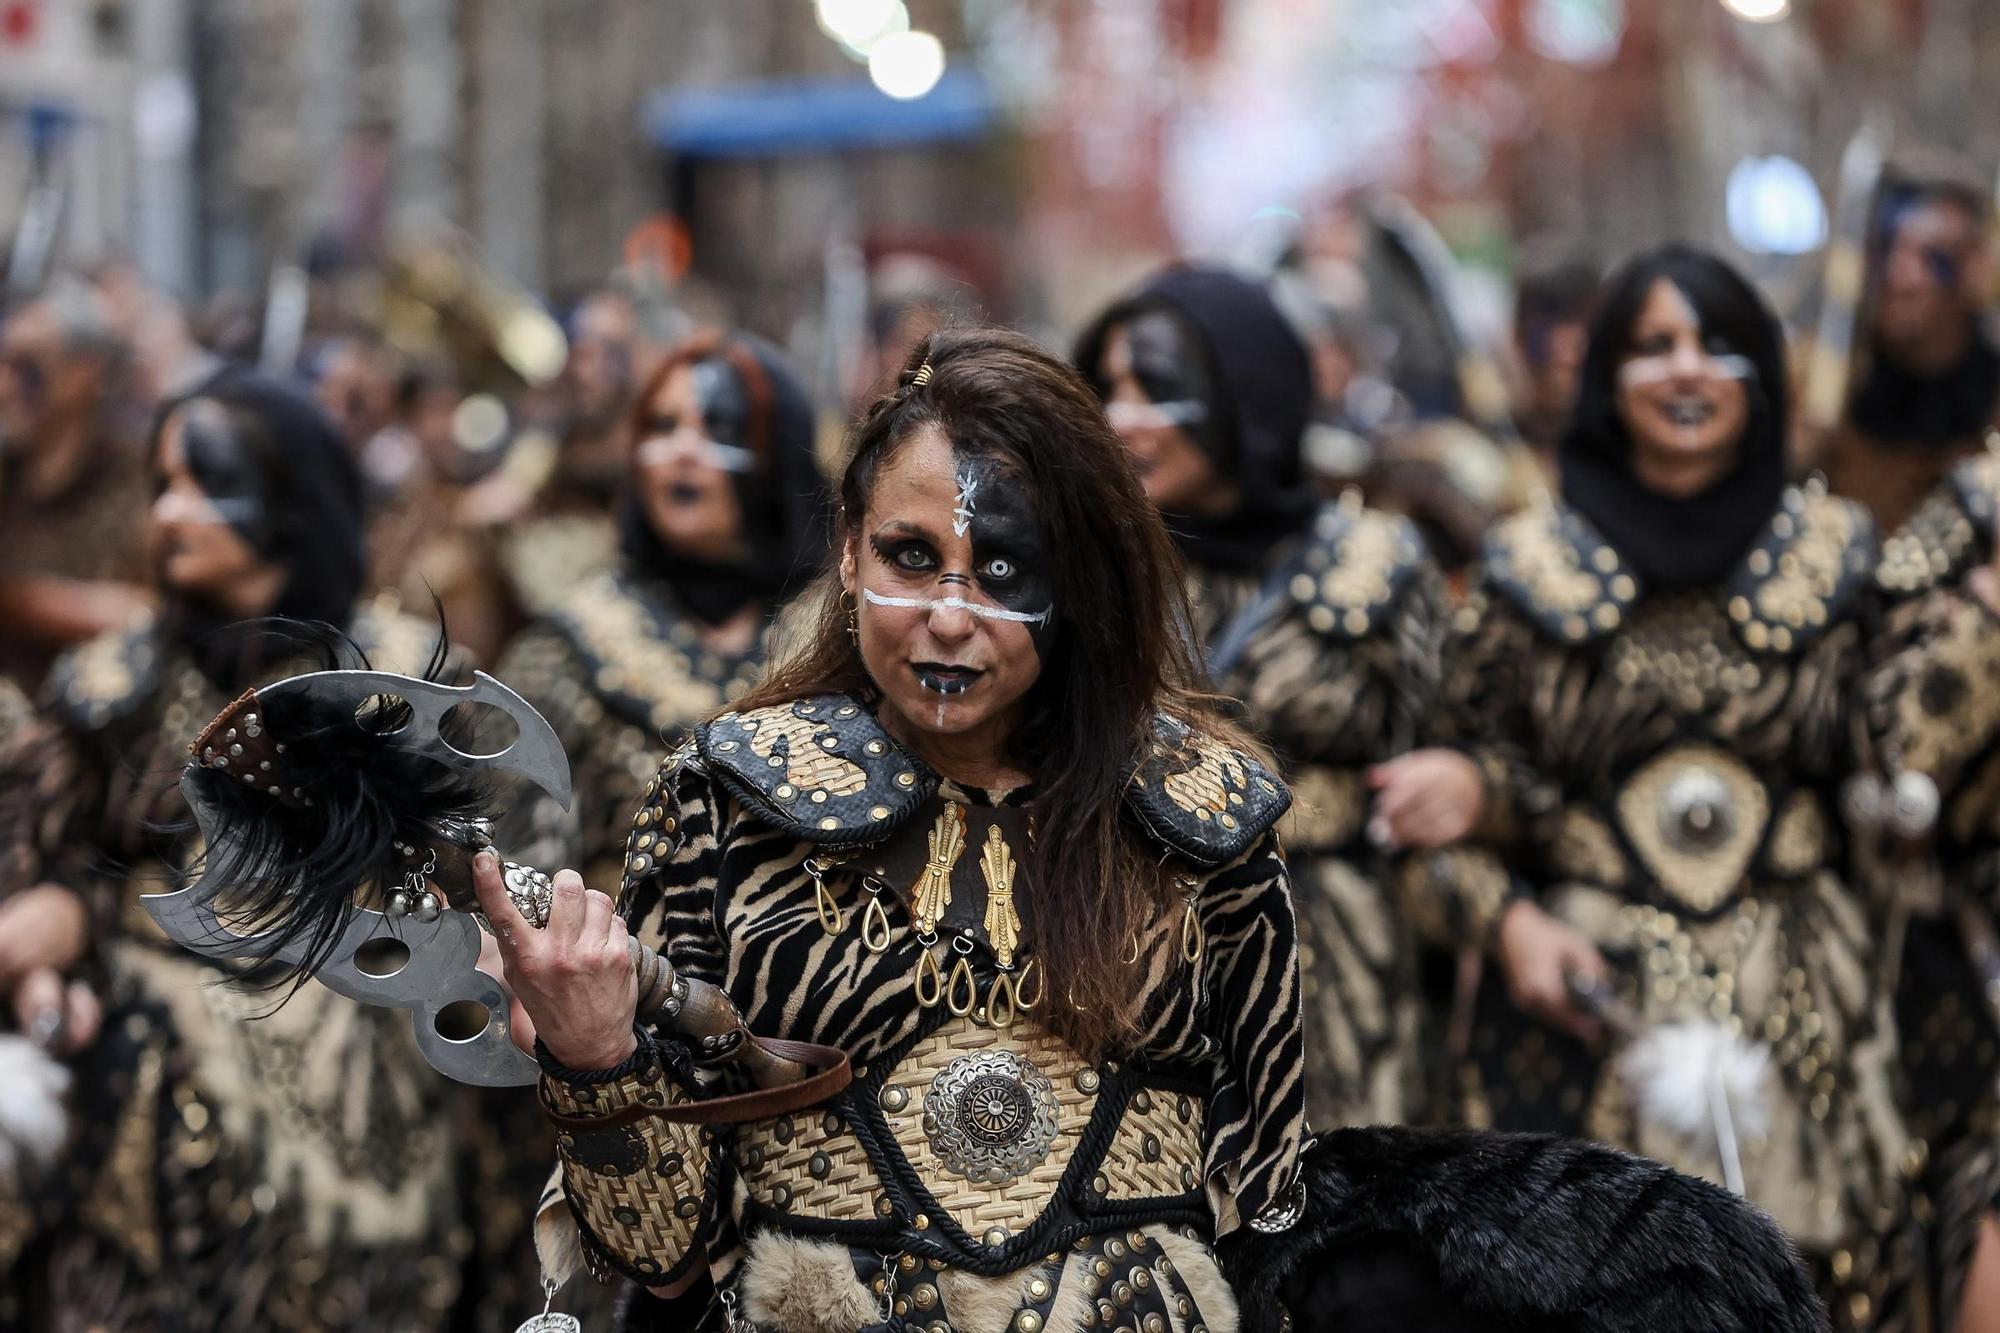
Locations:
{"points": [[923, 375]]}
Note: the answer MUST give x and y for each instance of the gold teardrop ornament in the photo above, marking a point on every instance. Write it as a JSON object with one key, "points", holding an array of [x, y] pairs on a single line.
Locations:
{"points": [[1031, 968], [1192, 938], [875, 926], [830, 918], [1001, 1001], [962, 992], [930, 981]]}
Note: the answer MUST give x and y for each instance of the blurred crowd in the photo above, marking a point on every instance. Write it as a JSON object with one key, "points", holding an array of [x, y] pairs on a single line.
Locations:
{"points": [[167, 474]]}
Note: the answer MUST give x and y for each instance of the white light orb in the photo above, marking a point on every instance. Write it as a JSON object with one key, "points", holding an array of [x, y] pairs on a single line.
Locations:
{"points": [[906, 64], [1758, 11], [859, 24]]}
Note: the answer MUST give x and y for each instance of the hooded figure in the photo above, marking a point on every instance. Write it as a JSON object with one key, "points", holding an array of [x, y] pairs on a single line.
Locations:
{"points": [[277, 472], [1325, 622], [1213, 354]]}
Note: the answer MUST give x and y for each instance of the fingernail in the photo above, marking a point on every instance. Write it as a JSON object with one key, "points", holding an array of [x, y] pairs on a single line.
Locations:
{"points": [[485, 861]]}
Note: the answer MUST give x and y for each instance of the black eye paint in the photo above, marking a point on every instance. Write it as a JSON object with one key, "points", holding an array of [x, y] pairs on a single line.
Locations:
{"points": [[1171, 366], [724, 400], [221, 462], [1010, 563]]}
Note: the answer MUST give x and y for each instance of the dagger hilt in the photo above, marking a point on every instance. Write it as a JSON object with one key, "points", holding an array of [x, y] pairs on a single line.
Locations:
{"points": [[698, 1010]]}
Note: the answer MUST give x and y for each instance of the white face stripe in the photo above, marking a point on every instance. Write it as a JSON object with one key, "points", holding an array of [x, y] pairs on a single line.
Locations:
{"points": [[1712, 365], [722, 457], [961, 517], [957, 603], [180, 507]]}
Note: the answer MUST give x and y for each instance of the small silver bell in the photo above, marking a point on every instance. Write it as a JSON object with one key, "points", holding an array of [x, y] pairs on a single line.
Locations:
{"points": [[427, 908], [399, 905]]}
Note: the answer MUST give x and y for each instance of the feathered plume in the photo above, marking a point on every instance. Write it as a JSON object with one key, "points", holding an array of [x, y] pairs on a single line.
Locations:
{"points": [[319, 804]]}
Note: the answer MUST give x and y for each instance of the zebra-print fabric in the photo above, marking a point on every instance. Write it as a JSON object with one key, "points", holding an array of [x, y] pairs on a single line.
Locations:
{"points": [[734, 904]]}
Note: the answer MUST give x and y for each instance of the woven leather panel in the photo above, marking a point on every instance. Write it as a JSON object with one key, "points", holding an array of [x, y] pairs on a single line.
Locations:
{"points": [[1156, 1151], [809, 1165]]}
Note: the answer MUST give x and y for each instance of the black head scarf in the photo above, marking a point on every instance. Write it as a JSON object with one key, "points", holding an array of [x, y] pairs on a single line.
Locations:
{"points": [[1678, 542], [1225, 341], [278, 471], [1896, 405], [784, 497]]}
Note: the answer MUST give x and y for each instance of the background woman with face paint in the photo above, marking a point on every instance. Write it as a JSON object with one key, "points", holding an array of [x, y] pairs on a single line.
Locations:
{"points": [[1666, 676], [723, 517], [1324, 622], [284, 1173]]}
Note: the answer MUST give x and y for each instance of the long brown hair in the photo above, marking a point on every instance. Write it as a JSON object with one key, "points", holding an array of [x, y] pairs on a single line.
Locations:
{"points": [[1121, 650]]}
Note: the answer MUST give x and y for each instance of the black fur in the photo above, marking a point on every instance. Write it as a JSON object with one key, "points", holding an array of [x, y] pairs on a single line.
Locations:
{"points": [[296, 871], [1521, 1231]]}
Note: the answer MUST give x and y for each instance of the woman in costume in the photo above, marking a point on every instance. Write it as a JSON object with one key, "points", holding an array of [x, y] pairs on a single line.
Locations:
{"points": [[1324, 621], [980, 834], [723, 519], [286, 1173], [1663, 681]]}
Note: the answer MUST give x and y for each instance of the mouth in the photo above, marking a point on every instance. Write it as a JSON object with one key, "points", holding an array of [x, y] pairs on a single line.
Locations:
{"points": [[1688, 413], [943, 678], [686, 493]]}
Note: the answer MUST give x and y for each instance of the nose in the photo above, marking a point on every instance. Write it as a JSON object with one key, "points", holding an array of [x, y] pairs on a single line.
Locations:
{"points": [[951, 624], [1688, 360]]}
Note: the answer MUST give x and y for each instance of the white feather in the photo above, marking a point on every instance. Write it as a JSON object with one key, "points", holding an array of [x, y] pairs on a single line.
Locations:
{"points": [[33, 1124], [1677, 1069]]}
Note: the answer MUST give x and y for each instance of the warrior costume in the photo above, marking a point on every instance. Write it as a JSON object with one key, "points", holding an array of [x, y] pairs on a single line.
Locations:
{"points": [[978, 1173], [1326, 624], [1937, 717], [237, 1169]]}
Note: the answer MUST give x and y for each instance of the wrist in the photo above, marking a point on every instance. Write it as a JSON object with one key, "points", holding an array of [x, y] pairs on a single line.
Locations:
{"points": [[591, 1057]]}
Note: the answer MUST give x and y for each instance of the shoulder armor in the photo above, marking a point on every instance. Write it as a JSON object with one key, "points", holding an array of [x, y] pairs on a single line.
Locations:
{"points": [[1552, 564], [822, 769], [642, 659], [1950, 530], [1200, 798], [1816, 554], [1353, 568], [108, 678], [393, 639]]}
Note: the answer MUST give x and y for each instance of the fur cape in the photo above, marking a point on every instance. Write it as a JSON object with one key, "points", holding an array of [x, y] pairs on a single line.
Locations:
{"points": [[1455, 1229]]}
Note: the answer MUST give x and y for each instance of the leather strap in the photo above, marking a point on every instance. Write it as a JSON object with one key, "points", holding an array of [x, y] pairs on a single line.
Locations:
{"points": [[833, 1075]]}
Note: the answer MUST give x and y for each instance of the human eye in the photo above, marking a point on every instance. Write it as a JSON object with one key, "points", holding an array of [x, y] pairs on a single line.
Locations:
{"points": [[999, 569], [910, 556]]}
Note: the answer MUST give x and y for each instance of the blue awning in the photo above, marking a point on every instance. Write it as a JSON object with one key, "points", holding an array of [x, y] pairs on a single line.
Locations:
{"points": [[771, 117]]}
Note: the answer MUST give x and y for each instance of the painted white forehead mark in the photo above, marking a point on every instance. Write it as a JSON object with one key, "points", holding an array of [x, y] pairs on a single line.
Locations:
{"points": [[961, 517], [957, 603]]}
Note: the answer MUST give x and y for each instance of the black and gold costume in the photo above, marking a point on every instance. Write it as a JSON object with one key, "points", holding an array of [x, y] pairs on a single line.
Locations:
{"points": [[978, 1173], [1341, 670], [1938, 715], [1664, 772], [292, 1172], [622, 674]]}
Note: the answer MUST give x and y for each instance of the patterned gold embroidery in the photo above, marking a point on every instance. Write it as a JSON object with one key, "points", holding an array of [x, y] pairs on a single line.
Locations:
{"points": [[1951, 709], [932, 892], [1329, 806], [1798, 842], [1809, 571], [1695, 814], [1546, 562], [806, 762], [1003, 923], [1585, 849], [1211, 786], [618, 633]]}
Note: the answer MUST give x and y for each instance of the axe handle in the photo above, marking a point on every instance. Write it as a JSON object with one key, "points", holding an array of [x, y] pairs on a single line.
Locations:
{"points": [[696, 1010]]}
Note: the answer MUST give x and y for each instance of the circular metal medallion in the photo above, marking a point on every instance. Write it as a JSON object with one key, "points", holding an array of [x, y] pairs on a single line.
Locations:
{"points": [[990, 1116], [1697, 811]]}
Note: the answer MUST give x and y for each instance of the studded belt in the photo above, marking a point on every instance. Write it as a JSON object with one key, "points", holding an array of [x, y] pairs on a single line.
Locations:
{"points": [[966, 1147]]}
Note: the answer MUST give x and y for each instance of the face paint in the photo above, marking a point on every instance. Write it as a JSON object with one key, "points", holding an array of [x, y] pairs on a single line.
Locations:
{"points": [[725, 402], [222, 465], [1178, 414], [1172, 368]]}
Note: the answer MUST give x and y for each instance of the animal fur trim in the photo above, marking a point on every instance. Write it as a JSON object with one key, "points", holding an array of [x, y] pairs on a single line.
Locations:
{"points": [[792, 1285], [1535, 1231]]}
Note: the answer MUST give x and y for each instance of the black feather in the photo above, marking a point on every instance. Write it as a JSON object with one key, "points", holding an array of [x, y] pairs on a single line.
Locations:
{"points": [[296, 871]]}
